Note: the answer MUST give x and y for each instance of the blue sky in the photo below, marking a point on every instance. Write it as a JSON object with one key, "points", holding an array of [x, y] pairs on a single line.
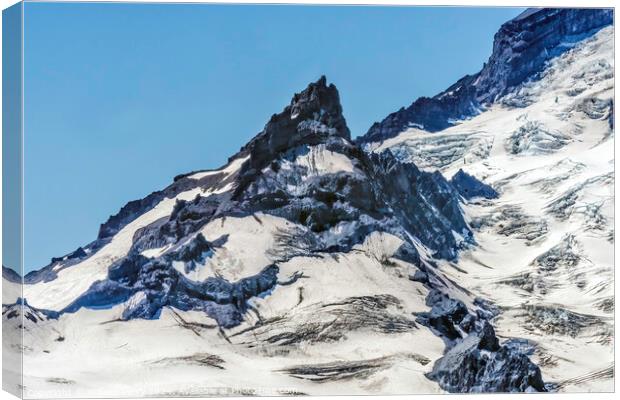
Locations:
{"points": [[120, 98]]}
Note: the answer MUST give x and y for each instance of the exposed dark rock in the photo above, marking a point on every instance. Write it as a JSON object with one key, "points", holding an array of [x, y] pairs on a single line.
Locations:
{"points": [[313, 116], [470, 187], [384, 195], [79, 253], [523, 45], [202, 359], [471, 367], [331, 322], [475, 361], [468, 323], [424, 203], [429, 113], [198, 249], [346, 370], [445, 316], [488, 340], [419, 276], [187, 218], [486, 309], [158, 285], [337, 371], [61, 381]]}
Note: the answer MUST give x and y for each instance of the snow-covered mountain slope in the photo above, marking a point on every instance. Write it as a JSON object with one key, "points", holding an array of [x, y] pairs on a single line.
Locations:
{"points": [[545, 245], [309, 264], [521, 48]]}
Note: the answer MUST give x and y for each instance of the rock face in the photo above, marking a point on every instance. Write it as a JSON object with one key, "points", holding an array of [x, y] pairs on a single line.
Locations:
{"points": [[424, 203], [148, 286], [521, 48], [78, 253], [313, 116], [380, 193], [471, 367], [470, 187], [523, 45], [475, 360], [135, 208]]}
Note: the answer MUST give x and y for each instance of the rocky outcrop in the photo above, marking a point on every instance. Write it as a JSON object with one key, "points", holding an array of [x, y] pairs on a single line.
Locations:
{"points": [[521, 48], [57, 264], [77, 254], [479, 364], [428, 113], [379, 194], [146, 286], [135, 208], [425, 204], [524, 44], [475, 360], [313, 116], [470, 187]]}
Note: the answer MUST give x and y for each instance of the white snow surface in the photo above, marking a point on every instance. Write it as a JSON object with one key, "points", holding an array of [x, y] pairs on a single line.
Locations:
{"points": [[120, 358]]}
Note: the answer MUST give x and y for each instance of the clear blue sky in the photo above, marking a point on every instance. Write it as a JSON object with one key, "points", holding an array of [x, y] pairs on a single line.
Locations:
{"points": [[120, 98]]}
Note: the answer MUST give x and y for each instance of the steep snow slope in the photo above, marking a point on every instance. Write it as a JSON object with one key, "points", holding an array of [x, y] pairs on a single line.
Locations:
{"points": [[545, 246]]}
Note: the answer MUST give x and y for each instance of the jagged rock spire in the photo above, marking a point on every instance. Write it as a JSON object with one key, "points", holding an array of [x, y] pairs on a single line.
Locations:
{"points": [[313, 116]]}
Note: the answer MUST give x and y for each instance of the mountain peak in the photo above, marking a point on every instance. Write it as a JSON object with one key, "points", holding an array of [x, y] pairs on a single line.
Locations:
{"points": [[320, 102], [313, 116]]}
